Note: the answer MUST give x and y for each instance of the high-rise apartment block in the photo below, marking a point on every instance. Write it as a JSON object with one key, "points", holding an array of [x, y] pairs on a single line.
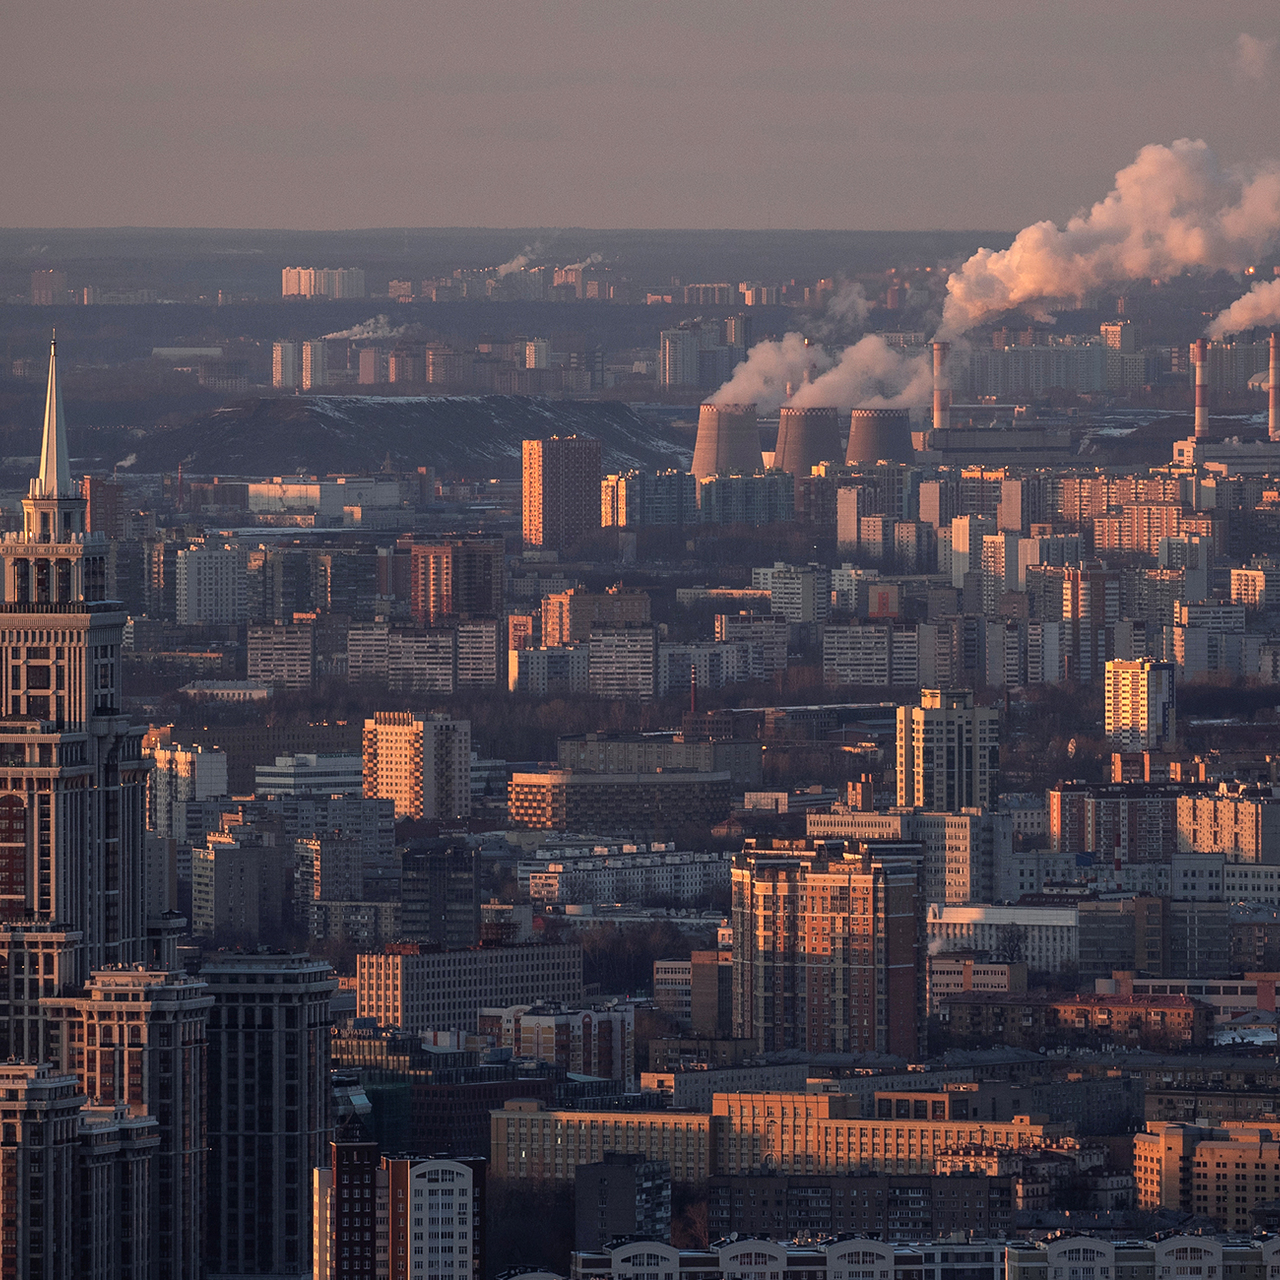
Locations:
{"points": [[828, 954], [210, 586], [456, 577], [948, 752], [569, 617], [286, 366], [181, 775], [1141, 705], [49, 288], [314, 368], [322, 282], [269, 1102], [423, 763], [623, 1195], [561, 491]]}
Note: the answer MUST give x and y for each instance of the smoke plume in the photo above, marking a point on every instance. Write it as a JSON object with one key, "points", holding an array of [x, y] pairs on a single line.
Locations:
{"points": [[522, 259], [762, 378], [378, 327], [1175, 207], [870, 374], [586, 262], [1261, 305]]}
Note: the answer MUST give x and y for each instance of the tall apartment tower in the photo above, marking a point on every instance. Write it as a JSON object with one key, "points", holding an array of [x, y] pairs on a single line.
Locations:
{"points": [[314, 370], [73, 765], [181, 776], [349, 1199], [286, 366], [268, 1109], [1141, 705], [948, 753], [827, 951], [423, 763], [561, 491], [455, 577], [440, 1199], [136, 1038]]}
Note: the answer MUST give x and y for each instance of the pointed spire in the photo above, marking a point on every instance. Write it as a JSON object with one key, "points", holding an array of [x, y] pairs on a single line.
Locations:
{"points": [[54, 480]]}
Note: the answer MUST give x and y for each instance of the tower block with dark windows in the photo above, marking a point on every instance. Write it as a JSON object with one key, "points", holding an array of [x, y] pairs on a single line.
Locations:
{"points": [[72, 774]]}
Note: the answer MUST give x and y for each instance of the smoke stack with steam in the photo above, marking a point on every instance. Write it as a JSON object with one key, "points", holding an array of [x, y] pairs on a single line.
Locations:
{"points": [[1273, 389], [941, 389], [728, 441], [1202, 388]]}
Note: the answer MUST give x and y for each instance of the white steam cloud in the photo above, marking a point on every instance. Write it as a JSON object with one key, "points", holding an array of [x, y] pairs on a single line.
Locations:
{"points": [[1175, 207], [1261, 305], [522, 259], [127, 462], [869, 374], [378, 327], [586, 262], [1253, 58], [872, 375]]}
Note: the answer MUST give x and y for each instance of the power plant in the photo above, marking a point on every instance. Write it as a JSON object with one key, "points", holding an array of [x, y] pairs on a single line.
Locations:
{"points": [[728, 441], [806, 437], [879, 434]]}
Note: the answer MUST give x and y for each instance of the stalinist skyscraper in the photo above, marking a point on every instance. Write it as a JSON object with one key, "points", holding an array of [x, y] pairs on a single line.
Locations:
{"points": [[72, 775]]}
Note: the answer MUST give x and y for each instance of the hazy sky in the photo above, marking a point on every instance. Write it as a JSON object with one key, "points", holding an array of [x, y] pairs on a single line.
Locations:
{"points": [[863, 114]]}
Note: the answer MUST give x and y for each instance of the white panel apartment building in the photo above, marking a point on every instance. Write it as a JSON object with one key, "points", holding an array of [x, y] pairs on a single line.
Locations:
{"points": [[1050, 936], [211, 585]]}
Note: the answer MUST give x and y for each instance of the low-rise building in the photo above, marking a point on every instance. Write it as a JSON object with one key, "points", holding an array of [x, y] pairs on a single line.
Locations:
{"points": [[653, 803]]}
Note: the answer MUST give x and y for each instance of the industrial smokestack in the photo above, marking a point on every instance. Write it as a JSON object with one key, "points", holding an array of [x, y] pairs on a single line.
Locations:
{"points": [[877, 435], [1202, 388], [941, 389], [1273, 390]]}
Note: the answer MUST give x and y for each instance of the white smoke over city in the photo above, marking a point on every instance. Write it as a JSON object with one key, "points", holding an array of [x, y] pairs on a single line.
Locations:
{"points": [[1174, 208], [586, 262], [870, 374], [530, 253], [1261, 305], [377, 327]]}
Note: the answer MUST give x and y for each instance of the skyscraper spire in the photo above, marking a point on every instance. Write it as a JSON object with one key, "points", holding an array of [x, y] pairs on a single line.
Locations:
{"points": [[54, 480]]}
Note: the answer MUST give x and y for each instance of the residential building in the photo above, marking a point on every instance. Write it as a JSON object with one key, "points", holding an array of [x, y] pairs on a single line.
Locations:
{"points": [[456, 577], [240, 881], [181, 775], [951, 972], [533, 1142], [419, 989], [652, 804], [1046, 938], [349, 1201], [622, 662], [269, 1101], [673, 989], [1032, 1021], [440, 895], [302, 774], [596, 1042], [315, 365], [948, 752], [765, 635], [422, 763], [282, 654], [623, 1195], [561, 491], [210, 586], [799, 593], [560, 671], [447, 1198], [1141, 705], [286, 366], [919, 1206], [659, 876], [828, 953], [1144, 1259], [570, 616], [136, 1038], [1237, 819], [406, 660]]}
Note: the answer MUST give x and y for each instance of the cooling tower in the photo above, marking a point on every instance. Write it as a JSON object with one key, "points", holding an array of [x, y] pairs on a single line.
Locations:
{"points": [[728, 441], [879, 433], [1201, 359], [806, 437]]}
